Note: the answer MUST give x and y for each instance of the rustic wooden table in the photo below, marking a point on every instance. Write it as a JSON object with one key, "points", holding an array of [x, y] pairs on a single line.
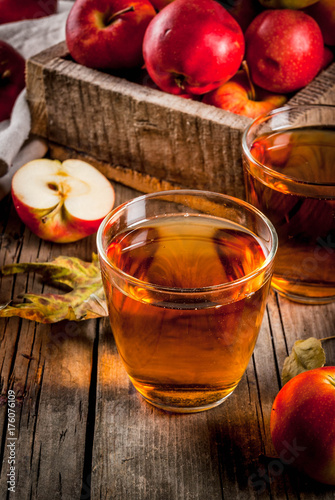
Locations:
{"points": [[83, 432]]}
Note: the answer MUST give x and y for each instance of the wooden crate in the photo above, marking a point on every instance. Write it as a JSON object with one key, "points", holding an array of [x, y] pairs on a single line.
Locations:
{"points": [[142, 137]]}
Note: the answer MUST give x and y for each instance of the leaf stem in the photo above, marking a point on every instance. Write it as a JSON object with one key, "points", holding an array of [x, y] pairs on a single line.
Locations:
{"points": [[328, 338]]}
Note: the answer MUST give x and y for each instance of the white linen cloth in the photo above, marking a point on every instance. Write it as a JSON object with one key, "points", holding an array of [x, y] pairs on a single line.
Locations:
{"points": [[27, 37]]}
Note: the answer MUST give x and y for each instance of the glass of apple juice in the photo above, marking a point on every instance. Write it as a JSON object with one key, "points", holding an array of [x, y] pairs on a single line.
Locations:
{"points": [[289, 165], [186, 275]]}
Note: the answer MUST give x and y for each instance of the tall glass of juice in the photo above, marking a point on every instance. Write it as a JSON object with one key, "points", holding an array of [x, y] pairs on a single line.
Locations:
{"points": [[289, 165], [186, 275]]}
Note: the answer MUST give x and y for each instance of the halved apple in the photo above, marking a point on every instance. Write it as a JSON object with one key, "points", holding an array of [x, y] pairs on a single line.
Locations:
{"points": [[61, 202]]}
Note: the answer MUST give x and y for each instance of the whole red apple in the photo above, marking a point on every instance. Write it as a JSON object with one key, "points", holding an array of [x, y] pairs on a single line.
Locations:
{"points": [[324, 14], [237, 96], [303, 423], [61, 202], [12, 80], [108, 34], [11, 11], [192, 47], [284, 50]]}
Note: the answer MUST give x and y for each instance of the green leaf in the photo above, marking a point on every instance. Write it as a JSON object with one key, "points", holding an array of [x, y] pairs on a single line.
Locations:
{"points": [[85, 300], [306, 355]]}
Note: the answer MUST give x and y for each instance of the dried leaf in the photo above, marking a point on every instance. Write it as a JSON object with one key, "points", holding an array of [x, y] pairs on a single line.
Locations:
{"points": [[85, 300], [306, 355]]}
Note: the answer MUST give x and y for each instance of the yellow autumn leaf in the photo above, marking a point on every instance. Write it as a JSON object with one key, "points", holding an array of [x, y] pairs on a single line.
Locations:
{"points": [[306, 355], [85, 300]]}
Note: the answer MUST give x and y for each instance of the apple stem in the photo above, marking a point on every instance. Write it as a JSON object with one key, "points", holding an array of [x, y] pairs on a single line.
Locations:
{"points": [[252, 87], [331, 380], [52, 212], [180, 79], [112, 18]]}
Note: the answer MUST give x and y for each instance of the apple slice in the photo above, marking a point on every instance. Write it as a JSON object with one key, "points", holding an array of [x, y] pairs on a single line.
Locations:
{"points": [[61, 202]]}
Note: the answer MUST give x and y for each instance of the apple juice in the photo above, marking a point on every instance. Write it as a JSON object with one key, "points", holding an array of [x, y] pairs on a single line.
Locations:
{"points": [[184, 339], [301, 205]]}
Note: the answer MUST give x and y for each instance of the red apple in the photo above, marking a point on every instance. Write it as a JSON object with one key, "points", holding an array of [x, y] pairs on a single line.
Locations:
{"points": [[192, 47], [108, 34], [239, 97], [17, 10], [303, 423], [328, 57], [324, 14], [61, 202], [284, 50], [12, 66]]}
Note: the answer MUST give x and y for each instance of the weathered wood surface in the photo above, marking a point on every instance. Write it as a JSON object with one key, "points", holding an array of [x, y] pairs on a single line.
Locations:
{"points": [[83, 432], [144, 130]]}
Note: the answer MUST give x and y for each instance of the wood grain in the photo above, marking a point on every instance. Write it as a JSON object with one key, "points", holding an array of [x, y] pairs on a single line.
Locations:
{"points": [[84, 432], [49, 370]]}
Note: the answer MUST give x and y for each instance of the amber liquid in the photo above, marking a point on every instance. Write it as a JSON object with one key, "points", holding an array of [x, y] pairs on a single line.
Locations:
{"points": [[186, 350], [305, 262]]}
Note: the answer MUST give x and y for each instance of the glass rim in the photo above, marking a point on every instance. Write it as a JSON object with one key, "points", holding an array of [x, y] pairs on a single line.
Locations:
{"points": [[268, 170], [188, 291]]}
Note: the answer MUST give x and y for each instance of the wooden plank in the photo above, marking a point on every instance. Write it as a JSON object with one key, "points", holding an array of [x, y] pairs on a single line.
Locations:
{"points": [[84, 432], [35, 84], [144, 183], [320, 91], [290, 322], [49, 369], [213, 454], [217, 454], [150, 453]]}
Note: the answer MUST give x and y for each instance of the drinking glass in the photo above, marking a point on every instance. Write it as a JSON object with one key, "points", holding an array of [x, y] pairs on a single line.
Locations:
{"points": [[186, 275], [289, 165]]}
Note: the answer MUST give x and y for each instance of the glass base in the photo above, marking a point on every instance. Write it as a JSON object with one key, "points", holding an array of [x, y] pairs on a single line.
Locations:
{"points": [[185, 409], [303, 299]]}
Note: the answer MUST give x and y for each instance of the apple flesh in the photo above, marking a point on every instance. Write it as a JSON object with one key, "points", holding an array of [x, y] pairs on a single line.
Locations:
{"points": [[284, 50], [61, 202], [238, 97], [303, 423], [324, 14], [108, 34], [12, 80], [18, 10], [190, 48]]}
